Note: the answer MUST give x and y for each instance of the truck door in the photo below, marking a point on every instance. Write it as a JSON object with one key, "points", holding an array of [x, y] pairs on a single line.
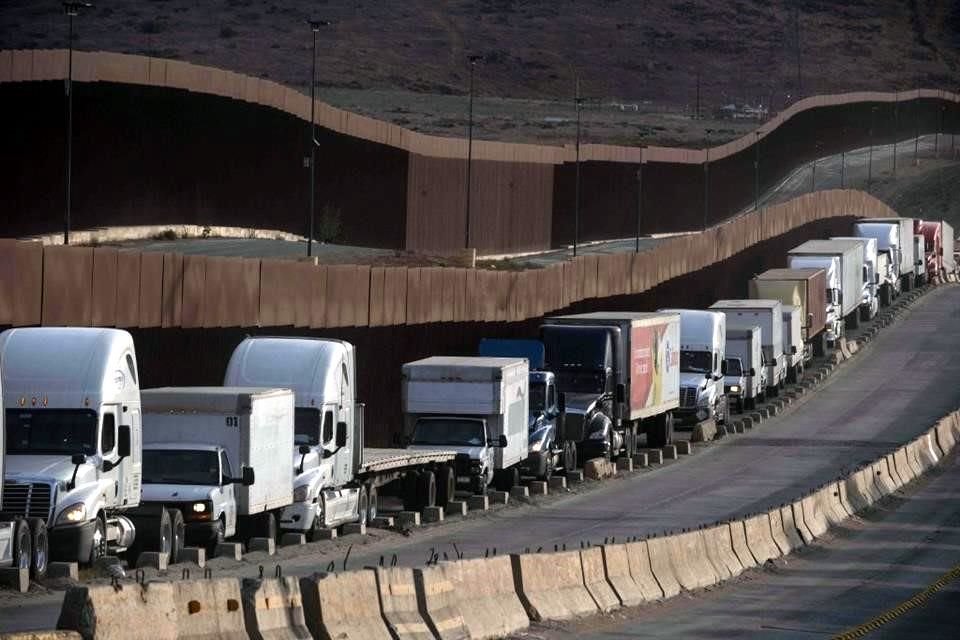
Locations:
{"points": [[225, 496], [113, 488]]}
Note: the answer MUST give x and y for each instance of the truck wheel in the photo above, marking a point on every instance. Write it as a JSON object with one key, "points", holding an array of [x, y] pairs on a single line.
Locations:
{"points": [[218, 537], [723, 410], [478, 485], [631, 444], [373, 500], [22, 550], [267, 525], [313, 533], [426, 490], [660, 432], [853, 320], [410, 491], [885, 296], [446, 484], [98, 547], [178, 532], [567, 462], [363, 504], [41, 548]]}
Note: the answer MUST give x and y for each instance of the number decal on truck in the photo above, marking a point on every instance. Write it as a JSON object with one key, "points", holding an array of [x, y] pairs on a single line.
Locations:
{"points": [[233, 421]]}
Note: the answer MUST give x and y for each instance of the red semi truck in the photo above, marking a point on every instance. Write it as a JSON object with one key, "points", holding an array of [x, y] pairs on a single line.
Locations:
{"points": [[938, 247]]}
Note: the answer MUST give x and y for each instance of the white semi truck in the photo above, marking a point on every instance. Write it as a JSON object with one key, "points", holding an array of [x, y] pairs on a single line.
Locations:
{"points": [[73, 440], [793, 342], [768, 315], [475, 406], [197, 438], [703, 336], [894, 237], [337, 480]]}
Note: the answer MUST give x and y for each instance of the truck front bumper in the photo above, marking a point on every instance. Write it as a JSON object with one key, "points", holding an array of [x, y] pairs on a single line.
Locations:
{"points": [[299, 516], [72, 543], [690, 415], [589, 449]]}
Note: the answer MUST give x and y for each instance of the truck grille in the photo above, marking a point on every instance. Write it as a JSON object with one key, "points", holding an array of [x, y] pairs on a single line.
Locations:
{"points": [[688, 396], [31, 500]]}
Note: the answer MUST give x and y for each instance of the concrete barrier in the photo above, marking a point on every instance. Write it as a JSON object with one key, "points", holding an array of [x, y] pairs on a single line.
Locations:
{"points": [[641, 570], [935, 441], [790, 530], [904, 468], [344, 606], [738, 540], [894, 478], [760, 538], [551, 586], [130, 613], [693, 568], [704, 431], [273, 609], [913, 458], [479, 592], [210, 609], [845, 499], [830, 495], [617, 564], [869, 479], [41, 635], [857, 488], [927, 451], [796, 508], [595, 579], [777, 533], [719, 544], [814, 516], [398, 603], [661, 566]]}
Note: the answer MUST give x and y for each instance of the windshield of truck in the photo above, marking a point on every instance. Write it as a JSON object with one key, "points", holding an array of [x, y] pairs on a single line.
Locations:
{"points": [[734, 367], [696, 362], [180, 466], [52, 431], [449, 432], [538, 397], [306, 426]]}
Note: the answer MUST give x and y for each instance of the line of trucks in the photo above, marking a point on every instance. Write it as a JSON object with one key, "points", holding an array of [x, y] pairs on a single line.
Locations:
{"points": [[94, 465]]}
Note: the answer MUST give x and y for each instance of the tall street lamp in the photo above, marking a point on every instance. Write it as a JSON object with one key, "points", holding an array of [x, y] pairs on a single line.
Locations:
{"points": [[640, 197], [576, 186], [312, 139], [71, 9], [473, 60]]}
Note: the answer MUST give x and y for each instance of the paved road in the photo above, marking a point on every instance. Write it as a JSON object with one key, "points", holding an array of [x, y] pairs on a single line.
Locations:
{"points": [[872, 566]]}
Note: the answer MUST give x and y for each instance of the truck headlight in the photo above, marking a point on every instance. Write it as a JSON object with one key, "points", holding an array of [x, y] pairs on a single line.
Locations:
{"points": [[199, 507], [536, 446], [301, 493], [73, 514], [734, 388]]}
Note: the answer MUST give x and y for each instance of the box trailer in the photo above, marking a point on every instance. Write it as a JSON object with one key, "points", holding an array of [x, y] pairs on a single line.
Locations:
{"points": [[852, 274], [793, 345], [620, 373], [254, 427], [475, 406], [871, 258], [895, 236], [949, 263], [805, 289], [744, 345], [768, 315]]}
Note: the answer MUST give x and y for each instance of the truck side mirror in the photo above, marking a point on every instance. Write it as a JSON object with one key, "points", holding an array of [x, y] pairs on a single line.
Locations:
{"points": [[78, 459], [341, 434], [303, 450], [793, 349], [246, 476], [498, 442], [621, 393], [123, 441], [809, 319], [562, 402], [753, 372]]}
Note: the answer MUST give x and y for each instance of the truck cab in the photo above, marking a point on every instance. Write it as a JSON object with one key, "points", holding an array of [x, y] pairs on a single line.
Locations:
{"points": [[328, 424], [198, 480], [920, 267], [749, 375], [73, 433], [734, 383], [702, 365]]}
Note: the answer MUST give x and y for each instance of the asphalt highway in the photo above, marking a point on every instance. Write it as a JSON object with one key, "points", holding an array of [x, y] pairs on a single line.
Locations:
{"points": [[863, 578]]}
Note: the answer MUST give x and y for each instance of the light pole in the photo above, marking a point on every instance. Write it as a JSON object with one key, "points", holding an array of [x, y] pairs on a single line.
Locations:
{"points": [[576, 187], [312, 140], [71, 9], [756, 172], [473, 60], [639, 197]]}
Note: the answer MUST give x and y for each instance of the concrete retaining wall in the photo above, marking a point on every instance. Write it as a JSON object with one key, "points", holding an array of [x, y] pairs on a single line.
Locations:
{"points": [[720, 551], [661, 566], [760, 538], [273, 609], [551, 586], [398, 603], [343, 606], [595, 579], [617, 564], [790, 529], [688, 554]]}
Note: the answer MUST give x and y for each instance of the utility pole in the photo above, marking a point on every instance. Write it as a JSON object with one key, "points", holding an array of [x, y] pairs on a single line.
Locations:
{"points": [[639, 198], [756, 172], [71, 9], [473, 60], [312, 139], [576, 188]]}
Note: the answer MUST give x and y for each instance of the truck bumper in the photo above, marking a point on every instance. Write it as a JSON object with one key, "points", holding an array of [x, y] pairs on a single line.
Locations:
{"points": [[690, 415], [72, 543], [298, 516], [589, 449], [535, 464]]}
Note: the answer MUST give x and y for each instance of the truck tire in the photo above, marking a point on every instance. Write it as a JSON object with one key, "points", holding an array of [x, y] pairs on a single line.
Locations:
{"points": [[446, 484], [885, 297], [218, 537], [99, 549], [22, 549], [853, 320], [267, 525], [568, 460], [632, 440], [723, 411], [426, 490], [363, 506], [506, 479], [660, 431], [409, 491], [40, 543], [478, 485], [373, 502], [156, 534], [179, 532]]}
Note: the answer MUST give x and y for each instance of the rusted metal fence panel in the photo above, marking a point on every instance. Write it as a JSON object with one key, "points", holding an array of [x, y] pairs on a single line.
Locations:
{"points": [[277, 293], [103, 295], [194, 285], [67, 286], [172, 304], [151, 289], [318, 299]]}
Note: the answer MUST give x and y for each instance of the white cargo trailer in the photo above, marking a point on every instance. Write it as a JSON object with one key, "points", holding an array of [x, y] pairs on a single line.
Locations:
{"points": [[871, 259], [853, 279], [768, 315], [475, 406], [253, 427], [920, 267], [793, 342], [894, 236]]}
